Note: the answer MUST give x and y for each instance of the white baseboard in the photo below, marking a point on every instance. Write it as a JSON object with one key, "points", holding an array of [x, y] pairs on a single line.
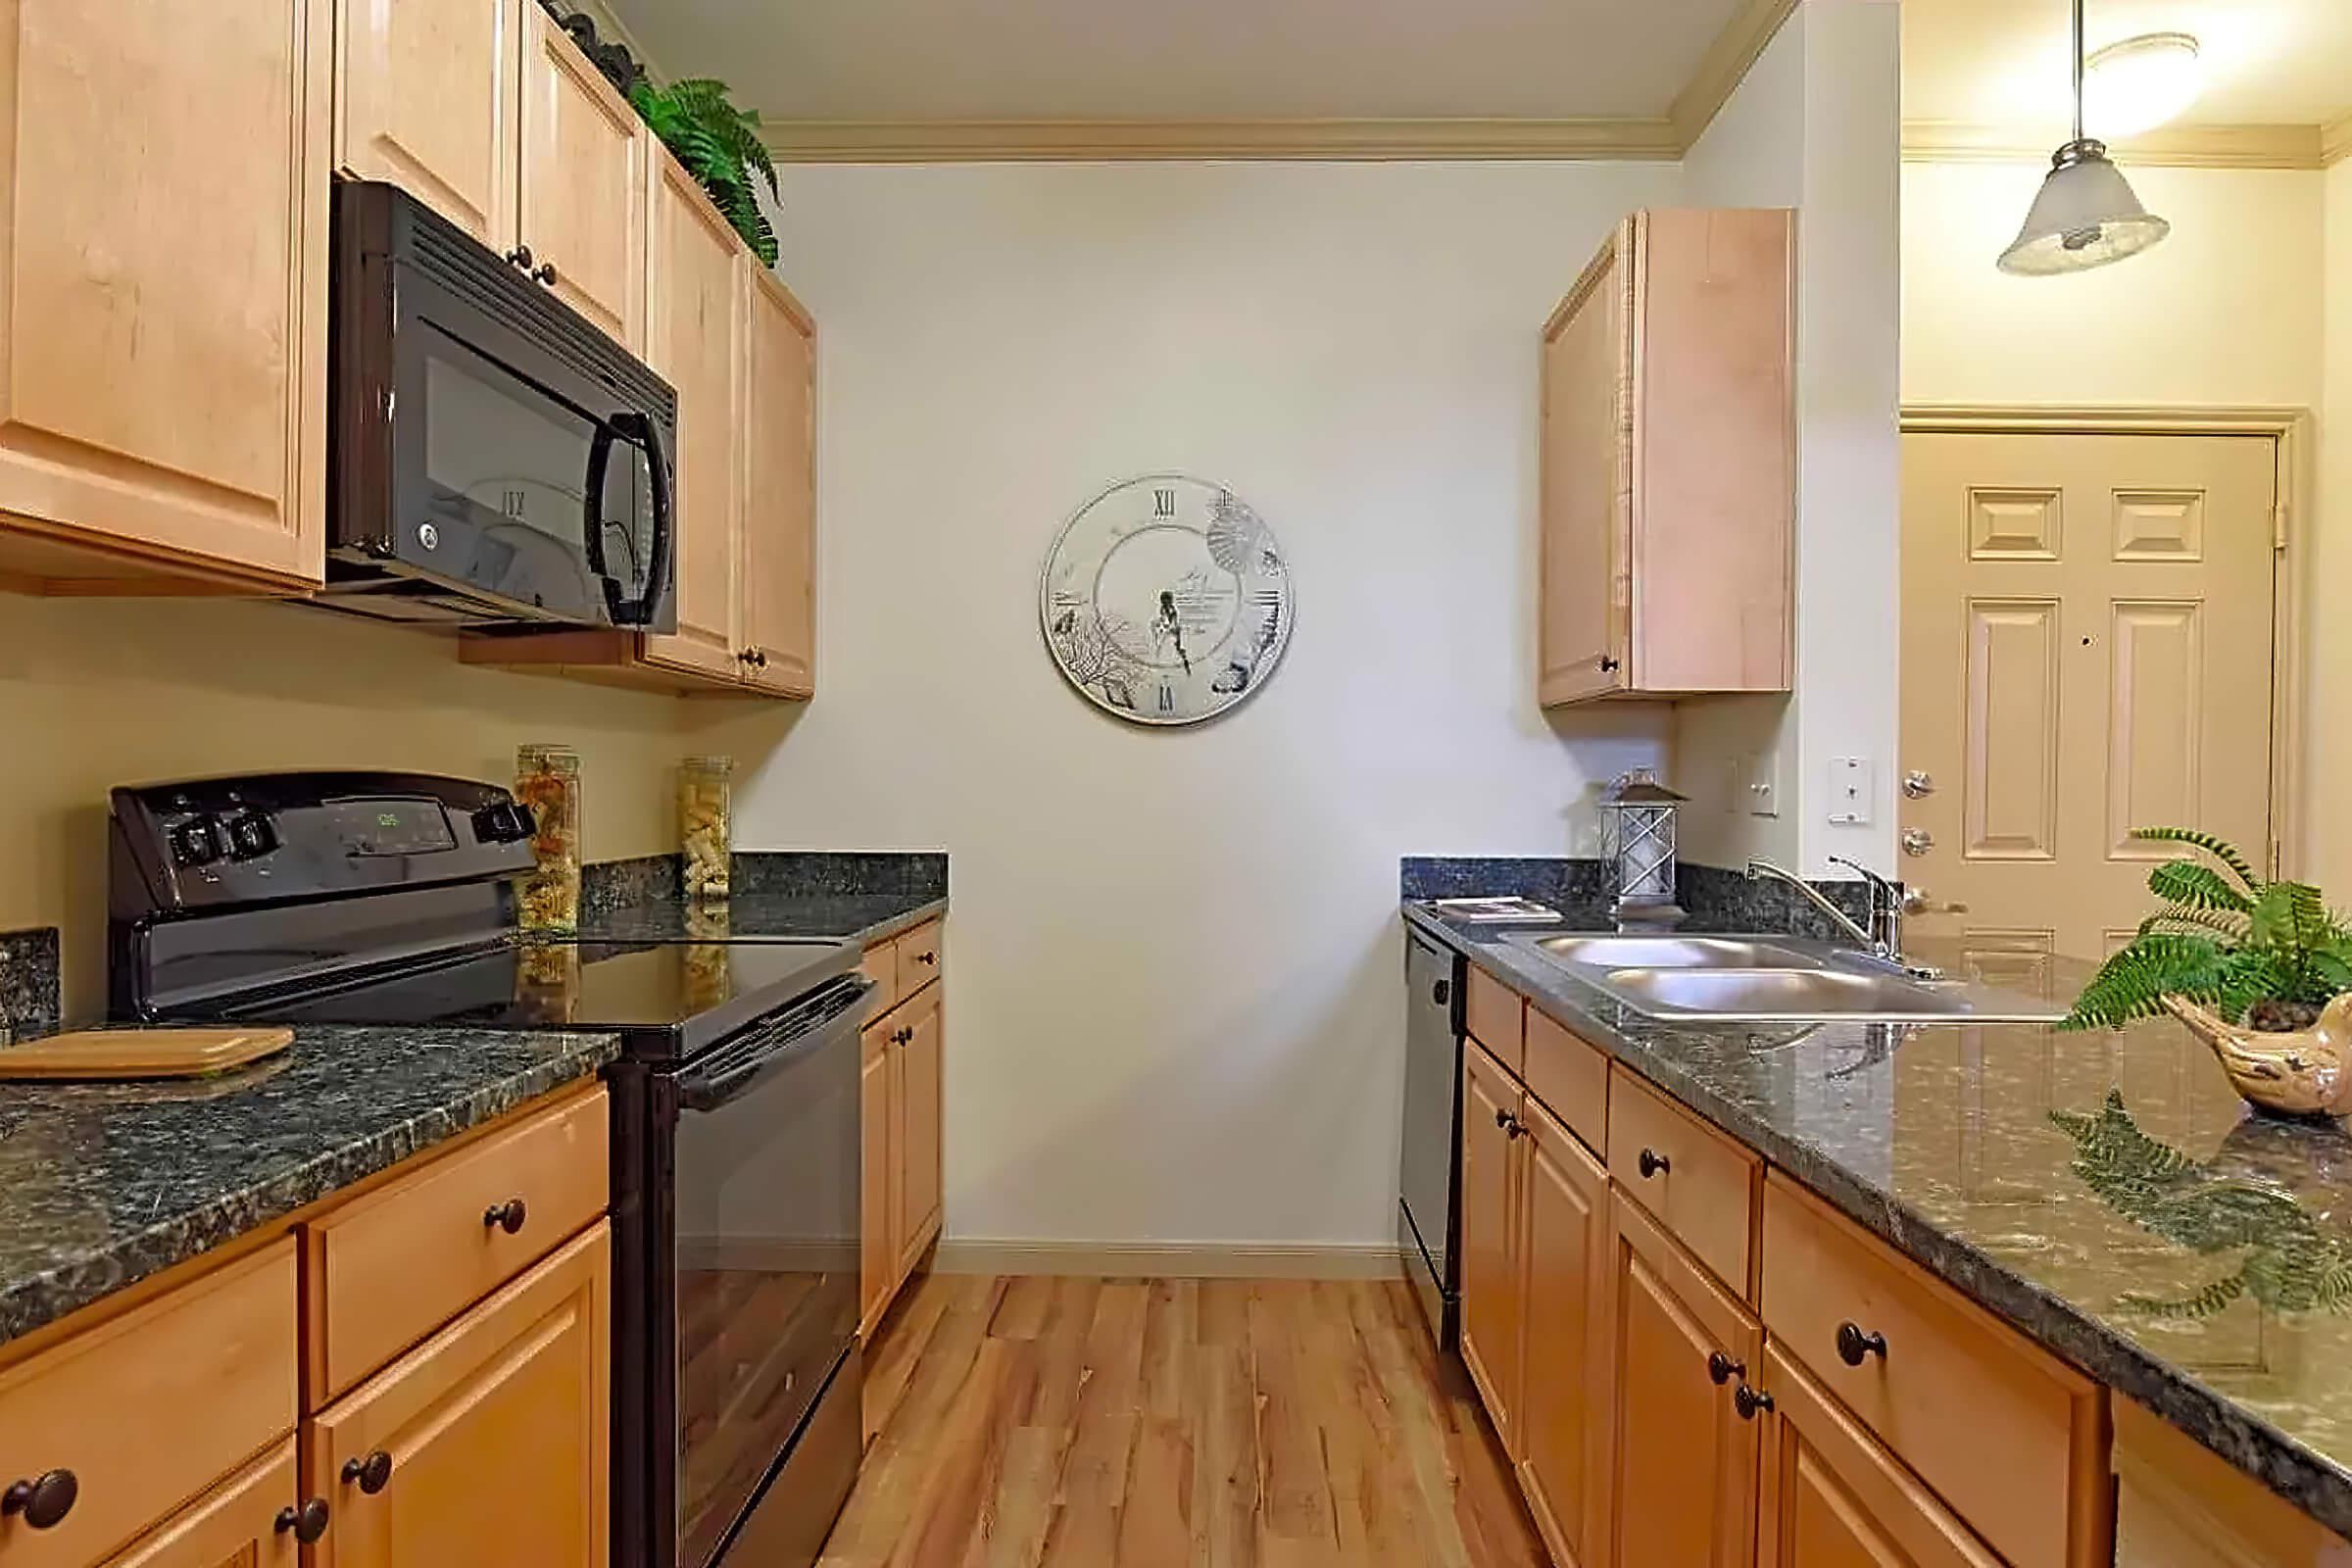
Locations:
{"points": [[1195, 1260]]}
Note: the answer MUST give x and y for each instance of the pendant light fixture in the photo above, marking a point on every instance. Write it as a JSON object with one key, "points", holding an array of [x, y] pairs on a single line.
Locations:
{"points": [[2086, 214]]}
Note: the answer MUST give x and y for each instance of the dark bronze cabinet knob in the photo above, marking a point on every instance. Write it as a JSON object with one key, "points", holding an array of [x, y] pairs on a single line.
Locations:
{"points": [[1517, 1129], [1608, 665], [1502, 1118], [373, 1473], [1722, 1368], [1854, 1347], [920, 957], [1440, 993], [545, 273], [507, 1216], [520, 256], [44, 1500], [1750, 1400], [1653, 1163], [307, 1521]]}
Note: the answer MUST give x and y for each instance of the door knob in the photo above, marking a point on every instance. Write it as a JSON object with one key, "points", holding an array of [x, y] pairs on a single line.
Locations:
{"points": [[1918, 841], [1919, 784]]}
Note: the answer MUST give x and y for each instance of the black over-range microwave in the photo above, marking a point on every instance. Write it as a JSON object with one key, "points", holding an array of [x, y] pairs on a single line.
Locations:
{"points": [[493, 458]]}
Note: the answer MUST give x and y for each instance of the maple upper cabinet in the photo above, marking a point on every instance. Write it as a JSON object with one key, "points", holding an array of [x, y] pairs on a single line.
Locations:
{"points": [[427, 97], [1669, 463], [582, 175], [778, 567], [164, 240]]}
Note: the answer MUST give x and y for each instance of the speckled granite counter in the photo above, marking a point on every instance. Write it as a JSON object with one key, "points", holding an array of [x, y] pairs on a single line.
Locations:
{"points": [[2109, 1194], [862, 917], [104, 1184]]}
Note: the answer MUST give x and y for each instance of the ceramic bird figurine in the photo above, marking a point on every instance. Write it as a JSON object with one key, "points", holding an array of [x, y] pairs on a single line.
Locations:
{"points": [[2305, 1073]]}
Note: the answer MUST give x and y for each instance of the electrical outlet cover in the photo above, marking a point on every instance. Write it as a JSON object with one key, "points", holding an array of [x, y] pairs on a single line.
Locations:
{"points": [[1850, 789], [1764, 784]]}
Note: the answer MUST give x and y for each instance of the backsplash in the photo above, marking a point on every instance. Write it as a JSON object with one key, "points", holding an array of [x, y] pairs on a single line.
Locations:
{"points": [[1713, 897], [610, 885], [29, 983]]}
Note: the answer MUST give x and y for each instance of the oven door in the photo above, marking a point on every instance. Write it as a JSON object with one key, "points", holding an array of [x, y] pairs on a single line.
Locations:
{"points": [[766, 1257]]}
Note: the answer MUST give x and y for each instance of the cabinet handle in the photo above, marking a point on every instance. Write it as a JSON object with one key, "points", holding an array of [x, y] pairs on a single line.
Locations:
{"points": [[1608, 664], [1517, 1129], [1722, 1368], [44, 1500], [920, 957], [507, 1216], [547, 274], [1502, 1119], [1855, 1347], [1653, 1163], [307, 1521], [1750, 1400], [520, 256], [373, 1473]]}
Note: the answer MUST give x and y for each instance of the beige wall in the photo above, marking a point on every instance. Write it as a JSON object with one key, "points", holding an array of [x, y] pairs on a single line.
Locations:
{"points": [[95, 693], [2328, 710]]}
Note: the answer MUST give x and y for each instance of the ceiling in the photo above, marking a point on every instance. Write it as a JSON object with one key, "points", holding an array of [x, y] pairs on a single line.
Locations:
{"points": [[2003, 63], [1188, 60]]}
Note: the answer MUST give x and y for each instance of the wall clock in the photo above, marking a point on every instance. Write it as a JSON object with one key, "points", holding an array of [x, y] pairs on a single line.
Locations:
{"points": [[1165, 600]]}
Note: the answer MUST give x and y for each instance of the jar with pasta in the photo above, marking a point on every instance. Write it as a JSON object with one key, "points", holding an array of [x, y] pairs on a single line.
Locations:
{"points": [[547, 780], [705, 824]]}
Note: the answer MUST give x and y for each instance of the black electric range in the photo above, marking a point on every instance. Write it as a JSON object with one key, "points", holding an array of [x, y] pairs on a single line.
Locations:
{"points": [[386, 899]]}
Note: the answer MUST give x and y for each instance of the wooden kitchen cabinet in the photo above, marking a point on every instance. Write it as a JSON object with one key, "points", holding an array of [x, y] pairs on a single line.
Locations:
{"points": [[581, 176], [1668, 458], [779, 565], [903, 1111], [164, 342], [427, 97], [247, 1521], [1489, 1239], [486, 1444], [877, 1185], [1564, 1243], [920, 1107], [1683, 1457]]}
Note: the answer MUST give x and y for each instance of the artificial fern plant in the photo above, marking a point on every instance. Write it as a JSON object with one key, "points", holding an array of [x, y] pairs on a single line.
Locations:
{"points": [[2269, 954], [719, 144]]}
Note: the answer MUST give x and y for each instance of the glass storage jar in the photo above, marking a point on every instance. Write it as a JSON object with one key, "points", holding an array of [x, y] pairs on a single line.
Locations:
{"points": [[705, 824], [547, 780]]}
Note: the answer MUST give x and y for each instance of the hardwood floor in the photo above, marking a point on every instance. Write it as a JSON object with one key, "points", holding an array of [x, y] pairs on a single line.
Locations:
{"points": [[1206, 1423]]}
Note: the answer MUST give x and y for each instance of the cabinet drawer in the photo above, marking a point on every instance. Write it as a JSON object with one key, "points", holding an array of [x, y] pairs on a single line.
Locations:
{"points": [[392, 1268], [880, 965], [1497, 1018], [2013, 1439], [921, 958], [153, 1407], [1570, 1077], [1698, 1183]]}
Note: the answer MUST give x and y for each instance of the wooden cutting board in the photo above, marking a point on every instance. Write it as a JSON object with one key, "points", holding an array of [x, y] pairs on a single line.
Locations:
{"points": [[103, 1054]]}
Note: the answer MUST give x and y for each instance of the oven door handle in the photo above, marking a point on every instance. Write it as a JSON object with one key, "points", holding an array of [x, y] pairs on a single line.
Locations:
{"points": [[642, 432], [708, 1089]]}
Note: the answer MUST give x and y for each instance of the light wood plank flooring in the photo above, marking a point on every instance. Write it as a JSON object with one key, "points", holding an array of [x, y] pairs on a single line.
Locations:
{"points": [[1204, 1422]]}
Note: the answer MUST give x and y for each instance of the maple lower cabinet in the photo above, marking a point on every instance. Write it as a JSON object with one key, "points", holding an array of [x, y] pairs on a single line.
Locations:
{"points": [[878, 1188], [248, 1521], [580, 174], [1682, 1454], [1489, 1239], [1668, 457], [427, 97], [1563, 1245], [903, 1111], [487, 1442], [162, 332]]}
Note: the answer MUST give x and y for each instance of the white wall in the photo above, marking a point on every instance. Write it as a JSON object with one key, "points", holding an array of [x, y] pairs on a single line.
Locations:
{"points": [[2329, 708], [1175, 991]]}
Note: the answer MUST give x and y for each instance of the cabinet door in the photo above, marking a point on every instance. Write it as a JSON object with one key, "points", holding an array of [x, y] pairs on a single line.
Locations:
{"points": [[1683, 1460], [426, 98], [234, 1525], [695, 341], [495, 1431], [779, 513], [582, 181], [1564, 1260], [878, 1251], [164, 252], [1489, 1222], [1833, 1498], [1584, 620], [922, 1074]]}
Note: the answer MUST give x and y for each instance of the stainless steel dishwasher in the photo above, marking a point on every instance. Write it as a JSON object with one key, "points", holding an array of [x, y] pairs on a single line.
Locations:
{"points": [[1430, 1167]]}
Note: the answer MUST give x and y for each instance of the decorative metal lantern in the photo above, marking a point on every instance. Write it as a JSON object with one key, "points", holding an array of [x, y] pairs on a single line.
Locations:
{"points": [[1636, 830]]}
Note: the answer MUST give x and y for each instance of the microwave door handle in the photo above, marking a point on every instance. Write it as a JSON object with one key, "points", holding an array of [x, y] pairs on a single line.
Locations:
{"points": [[592, 513], [641, 429]]}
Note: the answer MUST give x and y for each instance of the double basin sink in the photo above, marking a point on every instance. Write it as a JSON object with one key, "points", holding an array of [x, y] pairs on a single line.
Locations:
{"points": [[1769, 979]]}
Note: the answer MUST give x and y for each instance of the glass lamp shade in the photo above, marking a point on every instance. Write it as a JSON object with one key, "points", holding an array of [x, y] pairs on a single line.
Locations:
{"points": [[1638, 838], [2085, 216]]}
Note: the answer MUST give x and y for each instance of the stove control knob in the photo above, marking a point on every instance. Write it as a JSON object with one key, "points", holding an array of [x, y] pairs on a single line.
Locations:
{"points": [[197, 842], [251, 836], [505, 823]]}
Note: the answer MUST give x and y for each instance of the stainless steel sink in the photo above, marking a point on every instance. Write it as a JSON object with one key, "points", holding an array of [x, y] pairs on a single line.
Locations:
{"points": [[1766, 979]]}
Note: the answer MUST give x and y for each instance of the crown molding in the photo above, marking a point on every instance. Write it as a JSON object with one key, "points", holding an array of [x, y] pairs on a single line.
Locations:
{"points": [[1725, 66], [931, 141], [2174, 147], [2335, 141]]}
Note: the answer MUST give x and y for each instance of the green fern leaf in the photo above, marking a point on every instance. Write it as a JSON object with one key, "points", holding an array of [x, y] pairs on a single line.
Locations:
{"points": [[2219, 847], [2194, 886]]}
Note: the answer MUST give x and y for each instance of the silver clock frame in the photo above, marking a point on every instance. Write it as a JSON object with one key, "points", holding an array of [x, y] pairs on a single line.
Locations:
{"points": [[1270, 662]]}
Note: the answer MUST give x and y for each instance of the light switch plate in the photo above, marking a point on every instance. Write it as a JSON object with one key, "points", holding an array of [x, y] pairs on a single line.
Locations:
{"points": [[1850, 792], [1764, 784]]}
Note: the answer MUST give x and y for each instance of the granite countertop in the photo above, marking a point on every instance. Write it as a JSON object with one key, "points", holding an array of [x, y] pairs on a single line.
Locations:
{"points": [[862, 917], [2109, 1194], [102, 1184]]}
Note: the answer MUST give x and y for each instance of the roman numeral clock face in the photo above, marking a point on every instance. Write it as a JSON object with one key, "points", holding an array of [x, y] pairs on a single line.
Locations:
{"points": [[1166, 600]]}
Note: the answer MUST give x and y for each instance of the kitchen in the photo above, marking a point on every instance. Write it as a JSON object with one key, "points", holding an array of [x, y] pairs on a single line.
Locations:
{"points": [[1178, 994]]}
